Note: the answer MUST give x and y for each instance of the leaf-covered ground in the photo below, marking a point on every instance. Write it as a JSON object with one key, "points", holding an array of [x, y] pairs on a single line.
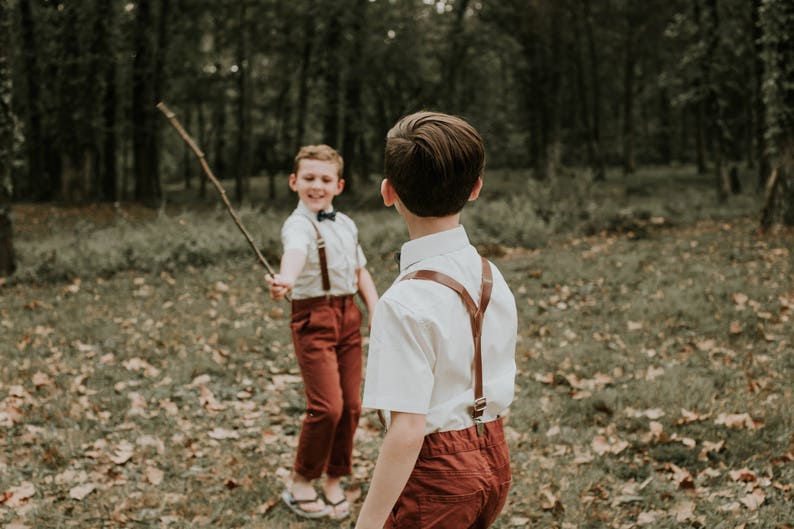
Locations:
{"points": [[654, 390]]}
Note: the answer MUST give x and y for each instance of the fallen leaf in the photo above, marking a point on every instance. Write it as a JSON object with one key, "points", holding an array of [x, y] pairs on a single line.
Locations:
{"points": [[743, 474], [154, 475], [754, 500], [736, 420], [222, 433], [18, 496], [81, 491]]}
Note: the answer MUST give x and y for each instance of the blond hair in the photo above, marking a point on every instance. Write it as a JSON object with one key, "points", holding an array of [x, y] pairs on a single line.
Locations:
{"points": [[321, 152]]}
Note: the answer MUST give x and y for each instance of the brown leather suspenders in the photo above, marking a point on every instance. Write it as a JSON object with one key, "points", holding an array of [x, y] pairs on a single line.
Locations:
{"points": [[323, 261], [475, 317]]}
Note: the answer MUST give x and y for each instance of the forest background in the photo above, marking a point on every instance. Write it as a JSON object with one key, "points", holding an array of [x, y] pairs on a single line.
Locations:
{"points": [[638, 198]]}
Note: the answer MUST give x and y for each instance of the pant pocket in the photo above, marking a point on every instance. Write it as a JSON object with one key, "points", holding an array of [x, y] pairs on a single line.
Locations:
{"points": [[453, 511]]}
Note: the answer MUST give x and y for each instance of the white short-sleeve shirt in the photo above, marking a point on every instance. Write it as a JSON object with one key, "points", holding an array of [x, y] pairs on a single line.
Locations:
{"points": [[421, 347], [343, 253]]}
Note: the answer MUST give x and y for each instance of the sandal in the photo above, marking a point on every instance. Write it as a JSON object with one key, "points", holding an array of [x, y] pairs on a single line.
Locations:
{"points": [[333, 514], [295, 506]]}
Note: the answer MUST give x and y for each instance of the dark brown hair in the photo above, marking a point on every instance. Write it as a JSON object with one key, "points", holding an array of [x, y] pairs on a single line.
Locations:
{"points": [[433, 161], [321, 152]]}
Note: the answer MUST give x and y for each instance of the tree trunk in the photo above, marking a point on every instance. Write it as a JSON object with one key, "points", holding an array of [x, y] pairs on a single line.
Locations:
{"points": [[103, 58], [628, 95], [8, 142], [187, 156], [40, 182], [74, 136], [332, 69], [202, 134], [777, 18], [716, 121], [243, 171], [758, 98], [457, 44], [146, 181], [303, 79], [219, 124], [595, 88], [352, 122]]}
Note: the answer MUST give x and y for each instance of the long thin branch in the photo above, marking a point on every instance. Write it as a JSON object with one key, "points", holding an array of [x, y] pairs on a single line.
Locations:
{"points": [[222, 192]]}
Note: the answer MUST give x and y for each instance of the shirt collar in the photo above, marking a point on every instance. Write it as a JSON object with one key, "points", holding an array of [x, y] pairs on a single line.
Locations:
{"points": [[444, 242], [304, 210]]}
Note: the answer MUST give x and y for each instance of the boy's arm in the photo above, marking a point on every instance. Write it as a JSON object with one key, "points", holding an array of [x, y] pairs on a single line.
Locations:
{"points": [[291, 265], [367, 290], [394, 466]]}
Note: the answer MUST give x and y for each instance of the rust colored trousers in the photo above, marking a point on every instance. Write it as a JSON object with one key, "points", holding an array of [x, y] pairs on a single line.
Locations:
{"points": [[326, 333], [460, 481]]}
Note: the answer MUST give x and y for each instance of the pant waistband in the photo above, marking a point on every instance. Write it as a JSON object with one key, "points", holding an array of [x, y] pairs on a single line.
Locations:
{"points": [[454, 441], [334, 301]]}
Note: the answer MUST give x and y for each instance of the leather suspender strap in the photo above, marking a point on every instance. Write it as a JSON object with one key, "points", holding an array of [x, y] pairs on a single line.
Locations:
{"points": [[476, 314], [323, 261]]}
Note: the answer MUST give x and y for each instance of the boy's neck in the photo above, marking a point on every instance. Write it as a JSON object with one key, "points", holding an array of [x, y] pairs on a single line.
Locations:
{"points": [[421, 226]]}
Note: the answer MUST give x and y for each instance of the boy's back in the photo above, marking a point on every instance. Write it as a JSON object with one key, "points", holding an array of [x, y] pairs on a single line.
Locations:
{"points": [[442, 344], [424, 348]]}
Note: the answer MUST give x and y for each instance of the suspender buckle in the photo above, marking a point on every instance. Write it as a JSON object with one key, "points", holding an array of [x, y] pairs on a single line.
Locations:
{"points": [[479, 408], [480, 428]]}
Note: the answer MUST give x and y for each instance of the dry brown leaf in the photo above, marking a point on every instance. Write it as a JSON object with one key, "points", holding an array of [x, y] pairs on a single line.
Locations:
{"points": [[81, 491], [269, 504], [223, 433], [754, 500], [154, 475], [743, 474], [740, 299], [683, 510], [41, 379], [736, 420], [681, 476], [691, 416], [735, 327], [709, 447], [123, 453], [601, 445], [16, 497], [208, 401]]}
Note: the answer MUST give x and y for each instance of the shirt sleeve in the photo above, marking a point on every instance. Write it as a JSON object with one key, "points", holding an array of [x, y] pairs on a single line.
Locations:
{"points": [[296, 235], [401, 361]]}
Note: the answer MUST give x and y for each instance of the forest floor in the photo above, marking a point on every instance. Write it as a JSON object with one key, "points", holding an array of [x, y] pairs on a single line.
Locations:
{"points": [[653, 389]]}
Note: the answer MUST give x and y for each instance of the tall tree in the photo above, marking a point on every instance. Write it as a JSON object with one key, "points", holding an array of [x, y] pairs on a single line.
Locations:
{"points": [[104, 51], [629, 64], [145, 170], [243, 158], [9, 140], [777, 19], [41, 182]]}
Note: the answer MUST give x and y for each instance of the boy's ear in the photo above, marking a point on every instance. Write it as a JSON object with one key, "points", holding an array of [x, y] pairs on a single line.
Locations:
{"points": [[475, 191], [340, 186], [388, 193], [293, 178]]}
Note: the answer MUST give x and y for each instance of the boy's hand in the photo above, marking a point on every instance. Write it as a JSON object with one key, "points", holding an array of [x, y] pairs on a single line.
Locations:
{"points": [[279, 287]]}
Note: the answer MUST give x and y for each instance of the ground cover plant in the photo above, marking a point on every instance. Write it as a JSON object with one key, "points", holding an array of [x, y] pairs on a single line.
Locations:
{"points": [[146, 379]]}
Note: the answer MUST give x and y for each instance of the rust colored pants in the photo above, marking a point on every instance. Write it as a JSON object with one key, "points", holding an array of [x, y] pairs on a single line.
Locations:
{"points": [[460, 481], [326, 333]]}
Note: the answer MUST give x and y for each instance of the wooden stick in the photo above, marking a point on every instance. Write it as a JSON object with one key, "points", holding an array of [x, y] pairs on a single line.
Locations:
{"points": [[200, 155]]}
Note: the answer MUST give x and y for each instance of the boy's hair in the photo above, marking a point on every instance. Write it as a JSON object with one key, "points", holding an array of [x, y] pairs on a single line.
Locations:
{"points": [[321, 152], [433, 161]]}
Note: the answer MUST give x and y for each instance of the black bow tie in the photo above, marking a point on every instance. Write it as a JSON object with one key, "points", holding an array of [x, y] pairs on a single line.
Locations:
{"points": [[322, 215]]}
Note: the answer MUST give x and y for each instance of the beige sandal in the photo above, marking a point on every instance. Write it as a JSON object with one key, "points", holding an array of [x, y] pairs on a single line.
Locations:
{"points": [[295, 506]]}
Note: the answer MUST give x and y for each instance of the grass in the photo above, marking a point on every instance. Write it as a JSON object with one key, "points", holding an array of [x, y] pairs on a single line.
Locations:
{"points": [[142, 358]]}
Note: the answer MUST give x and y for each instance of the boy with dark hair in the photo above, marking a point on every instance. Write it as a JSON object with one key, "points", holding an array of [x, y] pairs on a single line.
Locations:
{"points": [[440, 362], [323, 267]]}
